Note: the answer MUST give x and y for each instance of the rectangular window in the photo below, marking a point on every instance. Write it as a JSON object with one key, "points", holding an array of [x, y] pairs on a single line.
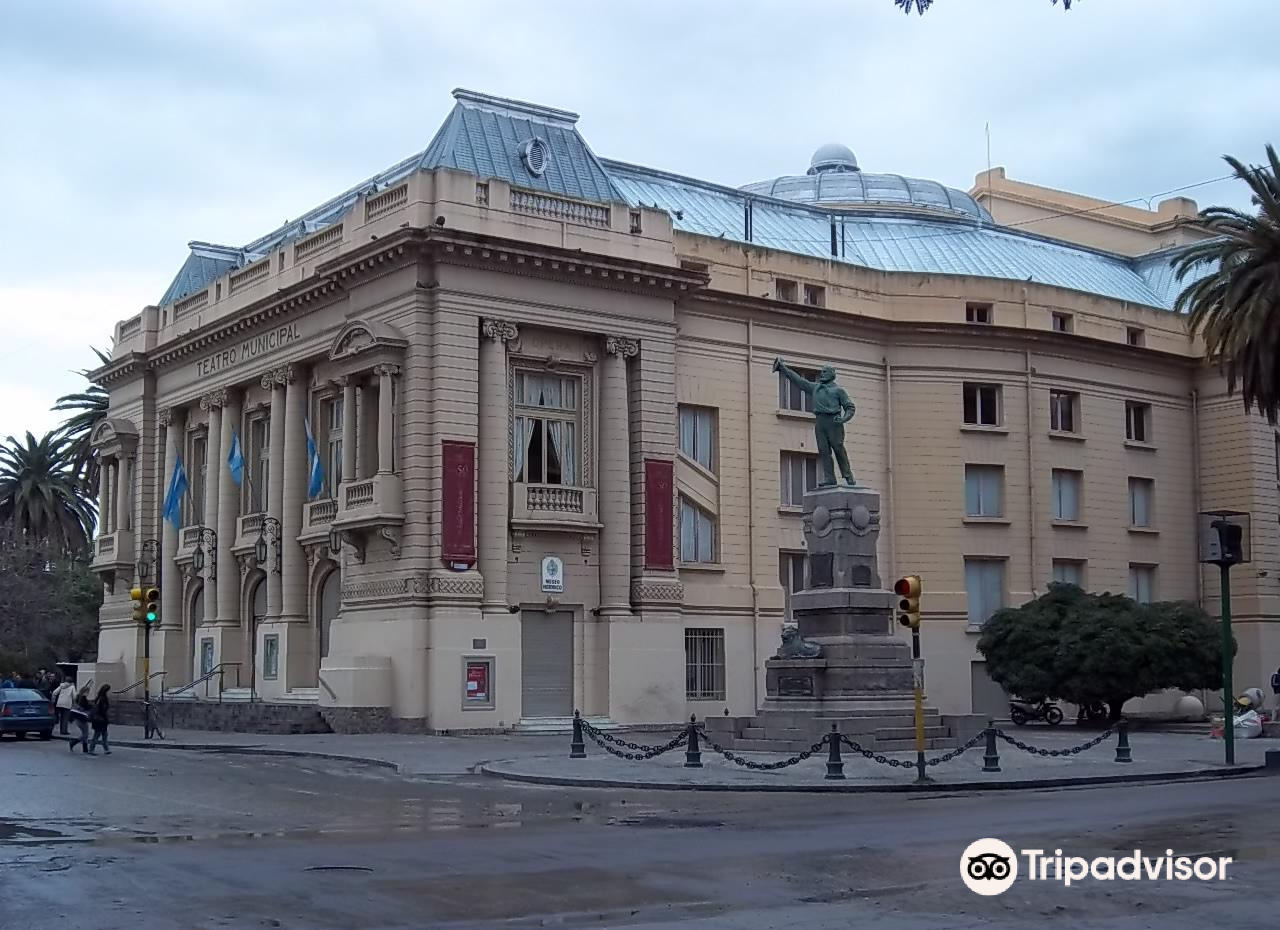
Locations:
{"points": [[984, 586], [983, 490], [815, 296], [791, 397], [270, 656], [1142, 583], [697, 432], [982, 404], [799, 473], [1066, 494], [257, 465], [206, 656], [784, 289], [197, 469], [977, 313], [1137, 421], [1062, 323], [697, 534], [545, 429], [791, 577], [1063, 406], [1141, 494], [1068, 571], [332, 412], [1135, 336], [704, 665]]}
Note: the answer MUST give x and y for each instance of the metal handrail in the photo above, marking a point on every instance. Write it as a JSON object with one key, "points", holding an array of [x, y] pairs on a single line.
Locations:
{"points": [[139, 683], [218, 670]]}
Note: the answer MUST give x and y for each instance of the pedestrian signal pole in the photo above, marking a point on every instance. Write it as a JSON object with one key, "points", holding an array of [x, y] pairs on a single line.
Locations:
{"points": [[150, 617], [1224, 542], [908, 589]]}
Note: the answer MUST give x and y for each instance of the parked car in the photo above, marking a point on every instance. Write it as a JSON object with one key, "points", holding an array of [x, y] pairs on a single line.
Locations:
{"points": [[23, 711]]}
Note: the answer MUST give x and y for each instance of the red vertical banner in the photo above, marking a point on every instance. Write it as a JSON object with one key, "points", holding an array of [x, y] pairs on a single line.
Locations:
{"points": [[658, 490], [458, 526]]}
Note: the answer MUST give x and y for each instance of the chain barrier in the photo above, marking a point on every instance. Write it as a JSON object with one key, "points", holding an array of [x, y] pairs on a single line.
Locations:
{"points": [[1069, 751], [958, 751], [875, 756], [639, 752], [761, 766]]}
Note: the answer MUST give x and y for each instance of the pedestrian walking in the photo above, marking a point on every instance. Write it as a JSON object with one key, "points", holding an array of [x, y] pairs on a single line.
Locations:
{"points": [[80, 709], [64, 697], [100, 719]]}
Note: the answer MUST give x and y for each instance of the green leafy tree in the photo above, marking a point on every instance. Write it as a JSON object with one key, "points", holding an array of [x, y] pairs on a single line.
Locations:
{"points": [[87, 409], [1100, 647], [48, 605], [41, 497], [1236, 306]]}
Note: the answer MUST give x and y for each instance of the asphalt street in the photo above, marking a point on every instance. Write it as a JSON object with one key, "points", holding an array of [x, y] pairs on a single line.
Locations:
{"points": [[155, 839]]}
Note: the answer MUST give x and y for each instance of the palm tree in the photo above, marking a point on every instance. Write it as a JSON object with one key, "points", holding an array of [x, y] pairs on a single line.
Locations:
{"points": [[41, 497], [1235, 305], [88, 408]]}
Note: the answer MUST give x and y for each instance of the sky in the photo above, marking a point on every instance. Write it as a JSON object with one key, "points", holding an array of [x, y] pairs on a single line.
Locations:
{"points": [[130, 127]]}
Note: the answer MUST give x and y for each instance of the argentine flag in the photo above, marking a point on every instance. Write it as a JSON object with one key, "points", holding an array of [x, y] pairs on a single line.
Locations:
{"points": [[315, 484], [235, 459], [173, 499]]}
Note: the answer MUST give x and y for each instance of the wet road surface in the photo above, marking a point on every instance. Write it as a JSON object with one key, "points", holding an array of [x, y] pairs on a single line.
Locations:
{"points": [[156, 839]]}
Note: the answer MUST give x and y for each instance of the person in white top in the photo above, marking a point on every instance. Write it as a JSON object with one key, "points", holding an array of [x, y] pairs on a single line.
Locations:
{"points": [[63, 696]]}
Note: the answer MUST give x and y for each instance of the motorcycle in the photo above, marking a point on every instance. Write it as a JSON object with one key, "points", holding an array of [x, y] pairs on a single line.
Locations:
{"points": [[1020, 712]]}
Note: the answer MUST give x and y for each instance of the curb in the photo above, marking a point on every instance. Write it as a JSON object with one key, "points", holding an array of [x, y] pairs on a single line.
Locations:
{"points": [[905, 787], [232, 749]]}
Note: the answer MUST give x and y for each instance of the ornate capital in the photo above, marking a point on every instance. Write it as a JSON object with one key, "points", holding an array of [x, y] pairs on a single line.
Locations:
{"points": [[389, 370], [499, 330], [621, 346], [282, 375], [215, 398], [165, 416]]}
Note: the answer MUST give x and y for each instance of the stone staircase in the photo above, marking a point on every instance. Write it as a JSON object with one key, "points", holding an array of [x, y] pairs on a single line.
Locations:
{"points": [[879, 731]]}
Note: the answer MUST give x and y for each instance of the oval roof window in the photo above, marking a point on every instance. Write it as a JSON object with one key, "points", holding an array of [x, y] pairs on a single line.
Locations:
{"points": [[534, 155]]}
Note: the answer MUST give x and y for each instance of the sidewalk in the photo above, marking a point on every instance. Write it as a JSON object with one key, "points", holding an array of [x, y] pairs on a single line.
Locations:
{"points": [[545, 759]]}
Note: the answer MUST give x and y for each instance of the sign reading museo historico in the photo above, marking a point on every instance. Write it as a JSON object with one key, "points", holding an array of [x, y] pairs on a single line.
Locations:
{"points": [[251, 348]]}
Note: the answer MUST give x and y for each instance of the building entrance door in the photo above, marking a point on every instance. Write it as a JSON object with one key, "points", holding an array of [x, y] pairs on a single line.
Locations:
{"points": [[546, 664], [989, 699]]}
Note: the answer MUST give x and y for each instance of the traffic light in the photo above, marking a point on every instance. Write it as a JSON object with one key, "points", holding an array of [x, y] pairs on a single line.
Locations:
{"points": [[152, 613], [136, 594], [908, 590], [1230, 542]]}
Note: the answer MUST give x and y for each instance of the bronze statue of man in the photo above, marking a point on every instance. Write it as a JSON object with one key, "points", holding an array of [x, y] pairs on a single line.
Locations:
{"points": [[832, 409]]}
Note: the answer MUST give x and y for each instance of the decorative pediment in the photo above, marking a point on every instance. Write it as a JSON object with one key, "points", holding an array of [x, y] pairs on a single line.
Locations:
{"points": [[114, 435], [358, 337]]}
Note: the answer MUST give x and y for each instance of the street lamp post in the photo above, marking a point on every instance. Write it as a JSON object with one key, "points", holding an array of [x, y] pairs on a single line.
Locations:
{"points": [[1224, 542]]}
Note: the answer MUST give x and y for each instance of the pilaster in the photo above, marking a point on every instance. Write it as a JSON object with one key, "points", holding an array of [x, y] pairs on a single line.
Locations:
{"points": [[615, 478], [494, 480]]}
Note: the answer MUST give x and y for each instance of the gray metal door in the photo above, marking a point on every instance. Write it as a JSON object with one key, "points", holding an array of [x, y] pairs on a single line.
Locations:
{"points": [[989, 699], [546, 664]]}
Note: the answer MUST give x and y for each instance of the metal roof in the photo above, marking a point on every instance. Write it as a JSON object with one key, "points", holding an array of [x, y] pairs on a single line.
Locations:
{"points": [[836, 212]]}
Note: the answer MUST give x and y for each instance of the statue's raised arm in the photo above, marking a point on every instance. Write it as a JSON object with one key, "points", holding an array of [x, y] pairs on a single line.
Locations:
{"points": [[795, 378]]}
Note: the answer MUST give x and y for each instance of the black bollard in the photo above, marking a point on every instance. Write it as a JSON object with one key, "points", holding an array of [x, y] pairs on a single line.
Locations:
{"points": [[1123, 753], [577, 748], [835, 764], [991, 758], [692, 754]]}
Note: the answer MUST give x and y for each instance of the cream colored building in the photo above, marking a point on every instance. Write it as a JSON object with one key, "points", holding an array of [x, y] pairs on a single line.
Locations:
{"points": [[558, 471]]}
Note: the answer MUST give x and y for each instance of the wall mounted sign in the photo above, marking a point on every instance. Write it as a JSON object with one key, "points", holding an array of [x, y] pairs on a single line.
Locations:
{"points": [[659, 538], [251, 348], [459, 504], [477, 683], [552, 575]]}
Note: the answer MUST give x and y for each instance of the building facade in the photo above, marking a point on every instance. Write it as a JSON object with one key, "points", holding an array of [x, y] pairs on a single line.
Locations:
{"points": [[508, 440]]}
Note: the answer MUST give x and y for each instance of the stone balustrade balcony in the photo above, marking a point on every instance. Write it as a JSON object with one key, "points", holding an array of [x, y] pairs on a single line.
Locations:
{"points": [[365, 503], [553, 505], [318, 518], [113, 552]]}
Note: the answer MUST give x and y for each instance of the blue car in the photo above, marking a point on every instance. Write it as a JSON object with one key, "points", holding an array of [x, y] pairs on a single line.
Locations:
{"points": [[23, 711]]}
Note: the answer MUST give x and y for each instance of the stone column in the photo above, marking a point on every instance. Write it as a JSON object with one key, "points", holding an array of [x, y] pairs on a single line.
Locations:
{"points": [[274, 500], [386, 418], [122, 496], [294, 564], [615, 478], [174, 422], [228, 511], [104, 495], [494, 480], [212, 402], [348, 429]]}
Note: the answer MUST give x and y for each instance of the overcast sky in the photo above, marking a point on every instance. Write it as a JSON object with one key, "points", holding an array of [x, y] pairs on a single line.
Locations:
{"points": [[131, 128]]}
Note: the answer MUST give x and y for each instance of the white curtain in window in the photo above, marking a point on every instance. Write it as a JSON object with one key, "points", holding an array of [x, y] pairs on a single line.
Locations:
{"points": [[1139, 502], [984, 586], [523, 432], [1066, 495], [688, 532], [688, 432], [706, 538], [982, 486], [702, 444]]}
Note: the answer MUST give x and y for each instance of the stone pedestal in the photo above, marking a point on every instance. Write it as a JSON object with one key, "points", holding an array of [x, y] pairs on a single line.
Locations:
{"points": [[846, 667]]}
